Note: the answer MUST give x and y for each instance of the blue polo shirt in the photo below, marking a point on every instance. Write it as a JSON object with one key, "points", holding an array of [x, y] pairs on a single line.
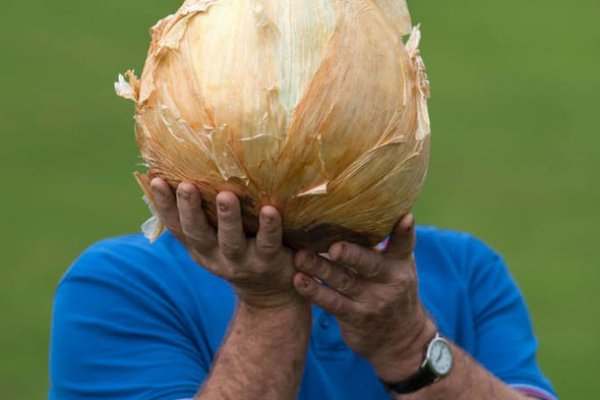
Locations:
{"points": [[134, 320]]}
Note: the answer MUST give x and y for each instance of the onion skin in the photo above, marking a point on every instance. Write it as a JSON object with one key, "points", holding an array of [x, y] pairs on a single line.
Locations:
{"points": [[317, 108]]}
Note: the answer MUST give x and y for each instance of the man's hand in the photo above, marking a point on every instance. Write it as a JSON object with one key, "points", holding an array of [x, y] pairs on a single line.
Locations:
{"points": [[270, 329], [260, 268], [374, 296]]}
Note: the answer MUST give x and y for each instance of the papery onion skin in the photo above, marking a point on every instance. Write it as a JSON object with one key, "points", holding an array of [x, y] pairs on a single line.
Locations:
{"points": [[315, 107]]}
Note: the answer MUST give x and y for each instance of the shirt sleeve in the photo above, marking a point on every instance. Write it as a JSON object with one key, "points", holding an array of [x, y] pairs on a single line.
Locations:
{"points": [[116, 335], [506, 344]]}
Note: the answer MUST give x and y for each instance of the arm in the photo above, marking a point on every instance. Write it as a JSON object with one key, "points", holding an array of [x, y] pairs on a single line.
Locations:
{"points": [[263, 354], [259, 359], [381, 317], [467, 380]]}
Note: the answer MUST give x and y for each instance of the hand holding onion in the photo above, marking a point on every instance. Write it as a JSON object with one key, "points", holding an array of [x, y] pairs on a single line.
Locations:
{"points": [[260, 268], [374, 295]]}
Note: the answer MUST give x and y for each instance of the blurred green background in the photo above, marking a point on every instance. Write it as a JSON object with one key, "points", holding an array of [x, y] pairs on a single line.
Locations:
{"points": [[516, 148]]}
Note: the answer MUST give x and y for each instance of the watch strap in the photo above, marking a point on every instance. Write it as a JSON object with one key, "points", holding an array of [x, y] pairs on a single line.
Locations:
{"points": [[418, 381], [423, 377]]}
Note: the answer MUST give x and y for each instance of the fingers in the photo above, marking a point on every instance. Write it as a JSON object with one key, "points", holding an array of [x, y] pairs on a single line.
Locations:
{"points": [[402, 240], [338, 277], [366, 262], [232, 241], [372, 264], [166, 206], [270, 232], [199, 235], [326, 298]]}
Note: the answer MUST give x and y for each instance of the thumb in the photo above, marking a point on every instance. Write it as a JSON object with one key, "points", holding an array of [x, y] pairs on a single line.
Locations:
{"points": [[402, 240]]}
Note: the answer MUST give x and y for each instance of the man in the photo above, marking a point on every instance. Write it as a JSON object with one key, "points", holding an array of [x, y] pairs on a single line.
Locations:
{"points": [[135, 320]]}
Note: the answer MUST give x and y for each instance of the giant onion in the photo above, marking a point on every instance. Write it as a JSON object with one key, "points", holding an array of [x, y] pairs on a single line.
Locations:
{"points": [[317, 107]]}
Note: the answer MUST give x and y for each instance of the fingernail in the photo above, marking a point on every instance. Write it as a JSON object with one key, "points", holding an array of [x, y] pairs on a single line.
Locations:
{"points": [[410, 219], [309, 258], [268, 219], [304, 282], [183, 195], [158, 191], [336, 255], [223, 207]]}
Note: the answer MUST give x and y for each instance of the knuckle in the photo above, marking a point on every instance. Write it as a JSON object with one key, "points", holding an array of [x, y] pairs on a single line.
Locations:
{"points": [[158, 202], [230, 249], [229, 215], [380, 305], [349, 254], [359, 258], [377, 303], [377, 270], [246, 279], [262, 268], [347, 282], [163, 206], [403, 277], [228, 218], [198, 242], [374, 311], [363, 310], [337, 304], [308, 261], [267, 247], [404, 281], [322, 270], [269, 229], [187, 231]]}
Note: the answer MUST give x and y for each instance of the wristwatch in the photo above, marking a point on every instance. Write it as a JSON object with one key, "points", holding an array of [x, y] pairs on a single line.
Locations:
{"points": [[437, 364]]}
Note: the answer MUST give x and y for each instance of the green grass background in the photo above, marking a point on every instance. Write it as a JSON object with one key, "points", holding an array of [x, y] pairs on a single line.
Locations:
{"points": [[515, 158]]}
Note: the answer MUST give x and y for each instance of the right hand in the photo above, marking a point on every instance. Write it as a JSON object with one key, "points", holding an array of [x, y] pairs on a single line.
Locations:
{"points": [[260, 268]]}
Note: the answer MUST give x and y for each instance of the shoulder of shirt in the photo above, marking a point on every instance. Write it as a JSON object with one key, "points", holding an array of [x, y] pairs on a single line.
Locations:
{"points": [[449, 238], [465, 252], [131, 246], [134, 257]]}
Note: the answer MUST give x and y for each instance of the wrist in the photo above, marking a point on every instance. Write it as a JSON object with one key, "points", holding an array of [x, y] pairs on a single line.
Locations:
{"points": [[279, 320], [404, 358], [273, 305], [269, 299]]}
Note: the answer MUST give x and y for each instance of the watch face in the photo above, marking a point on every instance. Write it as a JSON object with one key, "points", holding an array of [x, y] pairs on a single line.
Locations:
{"points": [[440, 356]]}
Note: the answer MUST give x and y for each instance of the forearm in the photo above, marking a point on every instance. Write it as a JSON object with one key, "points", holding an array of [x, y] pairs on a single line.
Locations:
{"points": [[262, 356], [468, 380]]}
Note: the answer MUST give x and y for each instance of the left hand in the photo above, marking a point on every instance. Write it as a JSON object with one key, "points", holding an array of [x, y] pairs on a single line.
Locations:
{"points": [[374, 296], [260, 268]]}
